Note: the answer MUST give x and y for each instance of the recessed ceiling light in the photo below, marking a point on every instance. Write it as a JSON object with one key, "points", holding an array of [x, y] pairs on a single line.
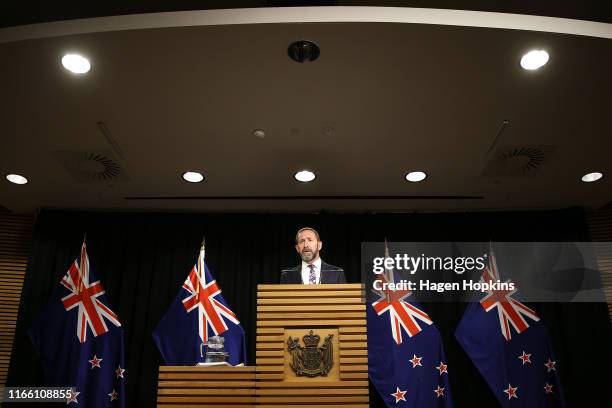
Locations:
{"points": [[304, 176], [193, 176], [16, 179], [416, 176], [259, 133], [591, 177], [76, 63], [327, 131], [534, 59]]}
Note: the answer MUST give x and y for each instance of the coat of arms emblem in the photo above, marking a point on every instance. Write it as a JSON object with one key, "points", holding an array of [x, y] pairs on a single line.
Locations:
{"points": [[311, 360]]}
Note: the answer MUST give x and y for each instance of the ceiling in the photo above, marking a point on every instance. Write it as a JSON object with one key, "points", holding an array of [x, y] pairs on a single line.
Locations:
{"points": [[383, 99]]}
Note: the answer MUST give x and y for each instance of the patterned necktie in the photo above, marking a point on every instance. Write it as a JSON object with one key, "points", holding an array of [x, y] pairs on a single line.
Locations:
{"points": [[312, 278]]}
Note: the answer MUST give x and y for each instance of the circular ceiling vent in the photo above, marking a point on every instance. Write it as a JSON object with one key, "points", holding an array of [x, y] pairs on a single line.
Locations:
{"points": [[96, 166], [521, 159]]}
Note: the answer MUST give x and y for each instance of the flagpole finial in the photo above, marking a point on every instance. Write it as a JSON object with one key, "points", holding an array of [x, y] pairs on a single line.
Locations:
{"points": [[203, 248]]}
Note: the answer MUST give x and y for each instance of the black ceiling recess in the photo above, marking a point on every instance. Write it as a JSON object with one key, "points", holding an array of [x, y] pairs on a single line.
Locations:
{"points": [[303, 51]]}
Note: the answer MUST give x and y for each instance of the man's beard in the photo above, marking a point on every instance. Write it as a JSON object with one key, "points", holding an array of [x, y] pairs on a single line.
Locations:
{"points": [[309, 256]]}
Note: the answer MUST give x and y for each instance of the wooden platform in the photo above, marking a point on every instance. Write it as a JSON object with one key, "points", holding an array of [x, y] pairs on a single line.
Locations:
{"points": [[285, 311], [181, 386]]}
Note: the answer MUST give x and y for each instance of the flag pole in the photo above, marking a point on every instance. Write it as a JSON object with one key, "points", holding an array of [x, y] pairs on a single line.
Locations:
{"points": [[201, 262], [81, 264], [388, 273]]}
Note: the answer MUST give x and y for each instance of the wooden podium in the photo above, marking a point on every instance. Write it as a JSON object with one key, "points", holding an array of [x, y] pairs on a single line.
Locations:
{"points": [[286, 315]]}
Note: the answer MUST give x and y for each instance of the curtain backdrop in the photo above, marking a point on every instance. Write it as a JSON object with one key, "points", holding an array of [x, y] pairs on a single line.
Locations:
{"points": [[143, 258]]}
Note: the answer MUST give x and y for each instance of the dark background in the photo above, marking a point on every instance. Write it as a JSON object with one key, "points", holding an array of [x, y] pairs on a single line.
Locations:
{"points": [[143, 258], [21, 12]]}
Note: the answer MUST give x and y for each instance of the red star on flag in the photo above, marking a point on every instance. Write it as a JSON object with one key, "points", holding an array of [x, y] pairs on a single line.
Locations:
{"points": [[525, 358], [442, 368], [416, 361], [511, 391], [95, 362], [119, 371], [439, 391], [548, 388], [113, 395], [550, 365], [399, 395], [72, 397]]}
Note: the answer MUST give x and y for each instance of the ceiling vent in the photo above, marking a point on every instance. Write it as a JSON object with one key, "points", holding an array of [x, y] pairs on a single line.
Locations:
{"points": [[517, 161], [89, 166]]}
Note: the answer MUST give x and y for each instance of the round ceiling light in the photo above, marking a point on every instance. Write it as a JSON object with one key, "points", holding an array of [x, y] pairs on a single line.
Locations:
{"points": [[591, 177], [416, 176], [193, 176], [76, 63], [16, 179], [259, 133], [534, 59], [304, 176]]}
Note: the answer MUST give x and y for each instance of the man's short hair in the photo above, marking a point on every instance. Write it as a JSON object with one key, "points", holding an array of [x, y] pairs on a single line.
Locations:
{"points": [[297, 235]]}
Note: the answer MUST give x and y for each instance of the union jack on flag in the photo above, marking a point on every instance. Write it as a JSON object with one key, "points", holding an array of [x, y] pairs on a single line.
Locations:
{"points": [[198, 312], [202, 293], [509, 310], [402, 314], [91, 310]]}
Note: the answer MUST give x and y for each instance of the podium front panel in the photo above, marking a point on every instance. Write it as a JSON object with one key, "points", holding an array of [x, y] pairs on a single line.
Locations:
{"points": [[286, 315], [210, 387]]}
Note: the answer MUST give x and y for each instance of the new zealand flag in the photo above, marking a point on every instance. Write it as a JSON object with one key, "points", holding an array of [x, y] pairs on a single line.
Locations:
{"points": [[198, 312], [511, 348], [80, 340], [407, 370]]}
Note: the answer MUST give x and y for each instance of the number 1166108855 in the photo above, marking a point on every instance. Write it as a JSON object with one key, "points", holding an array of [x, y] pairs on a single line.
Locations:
{"points": [[36, 394]]}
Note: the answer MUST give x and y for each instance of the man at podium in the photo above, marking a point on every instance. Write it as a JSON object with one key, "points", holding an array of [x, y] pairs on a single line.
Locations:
{"points": [[312, 270]]}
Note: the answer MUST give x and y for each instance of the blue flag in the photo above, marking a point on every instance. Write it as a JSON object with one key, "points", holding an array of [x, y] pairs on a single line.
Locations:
{"points": [[510, 346], [406, 361], [80, 340], [198, 312]]}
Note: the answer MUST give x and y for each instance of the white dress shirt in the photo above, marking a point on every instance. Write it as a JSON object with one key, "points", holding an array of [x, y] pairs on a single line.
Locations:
{"points": [[306, 272]]}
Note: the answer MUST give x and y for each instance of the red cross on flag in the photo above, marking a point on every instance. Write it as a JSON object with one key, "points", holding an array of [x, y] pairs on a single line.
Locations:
{"points": [[202, 297], [402, 314], [84, 295], [510, 311]]}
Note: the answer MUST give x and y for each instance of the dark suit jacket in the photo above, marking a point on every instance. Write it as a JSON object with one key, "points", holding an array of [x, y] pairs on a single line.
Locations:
{"points": [[329, 274]]}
